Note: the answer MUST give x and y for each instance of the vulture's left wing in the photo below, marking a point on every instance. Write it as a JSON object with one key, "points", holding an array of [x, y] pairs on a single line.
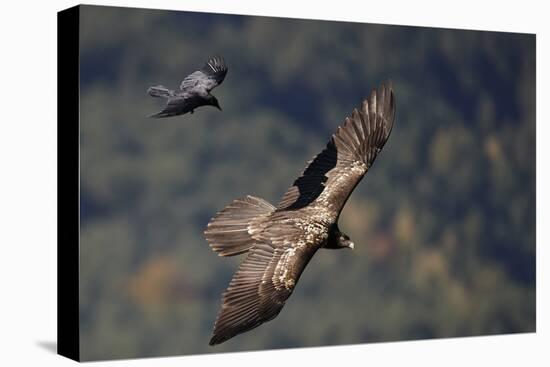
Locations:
{"points": [[332, 175], [264, 281]]}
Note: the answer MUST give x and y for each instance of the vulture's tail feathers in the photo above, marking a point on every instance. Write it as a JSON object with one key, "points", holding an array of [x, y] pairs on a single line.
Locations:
{"points": [[160, 91], [231, 231]]}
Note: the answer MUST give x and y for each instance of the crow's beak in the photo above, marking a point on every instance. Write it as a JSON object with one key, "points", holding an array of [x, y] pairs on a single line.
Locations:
{"points": [[351, 245], [219, 108]]}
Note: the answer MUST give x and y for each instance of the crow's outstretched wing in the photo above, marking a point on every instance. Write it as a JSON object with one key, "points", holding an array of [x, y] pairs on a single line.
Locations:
{"points": [[209, 77], [178, 105], [331, 176], [264, 281]]}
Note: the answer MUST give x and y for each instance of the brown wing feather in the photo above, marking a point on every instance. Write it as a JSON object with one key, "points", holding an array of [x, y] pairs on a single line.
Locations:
{"points": [[259, 289], [331, 176]]}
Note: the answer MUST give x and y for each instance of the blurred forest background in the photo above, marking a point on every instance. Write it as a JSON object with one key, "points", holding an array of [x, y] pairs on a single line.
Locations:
{"points": [[444, 223]]}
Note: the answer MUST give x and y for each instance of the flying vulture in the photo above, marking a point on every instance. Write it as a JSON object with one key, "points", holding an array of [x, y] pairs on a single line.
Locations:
{"points": [[279, 241], [194, 90]]}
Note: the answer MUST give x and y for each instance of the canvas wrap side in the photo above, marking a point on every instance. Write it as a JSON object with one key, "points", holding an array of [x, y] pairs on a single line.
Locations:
{"points": [[68, 340]]}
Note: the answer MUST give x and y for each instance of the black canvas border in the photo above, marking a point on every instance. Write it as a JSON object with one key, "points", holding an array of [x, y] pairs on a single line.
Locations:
{"points": [[68, 181]]}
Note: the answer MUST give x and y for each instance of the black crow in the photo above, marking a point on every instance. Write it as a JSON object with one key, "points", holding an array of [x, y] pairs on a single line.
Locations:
{"points": [[279, 241], [194, 90]]}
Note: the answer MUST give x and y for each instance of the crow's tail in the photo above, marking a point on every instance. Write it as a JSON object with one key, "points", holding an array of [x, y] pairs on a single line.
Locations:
{"points": [[160, 91]]}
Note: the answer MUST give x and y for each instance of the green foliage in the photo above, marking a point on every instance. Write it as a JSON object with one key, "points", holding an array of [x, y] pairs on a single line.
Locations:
{"points": [[444, 223]]}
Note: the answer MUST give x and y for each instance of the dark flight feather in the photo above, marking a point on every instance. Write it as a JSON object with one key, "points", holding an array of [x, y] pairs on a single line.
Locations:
{"points": [[209, 77], [280, 241]]}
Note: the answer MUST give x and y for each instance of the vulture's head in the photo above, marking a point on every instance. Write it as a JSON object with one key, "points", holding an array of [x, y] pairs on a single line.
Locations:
{"points": [[337, 239], [344, 241]]}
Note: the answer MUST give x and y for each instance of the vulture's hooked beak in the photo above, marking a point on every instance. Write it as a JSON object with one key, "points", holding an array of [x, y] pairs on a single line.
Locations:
{"points": [[351, 245]]}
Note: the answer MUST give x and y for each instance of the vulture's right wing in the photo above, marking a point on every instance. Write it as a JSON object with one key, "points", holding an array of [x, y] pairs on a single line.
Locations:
{"points": [[332, 175]]}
